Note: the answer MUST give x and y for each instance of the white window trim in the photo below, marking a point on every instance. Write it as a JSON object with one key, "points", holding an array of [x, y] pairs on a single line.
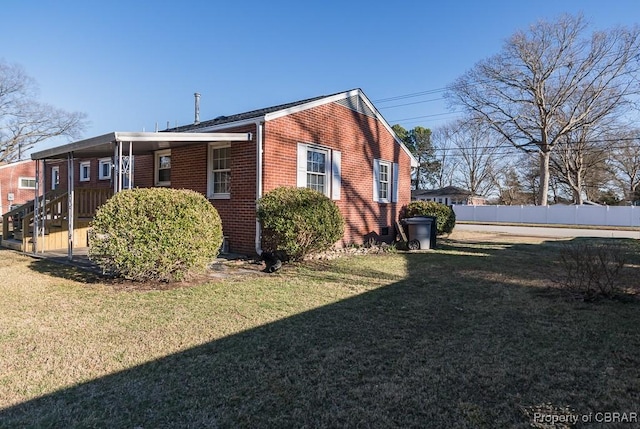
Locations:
{"points": [[80, 169], [210, 194], [392, 193], [101, 162], [386, 164], [55, 183], [156, 167], [333, 171], [21, 178]]}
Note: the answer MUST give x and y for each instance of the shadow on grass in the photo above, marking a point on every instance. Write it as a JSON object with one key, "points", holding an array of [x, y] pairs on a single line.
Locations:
{"points": [[79, 271], [454, 344]]}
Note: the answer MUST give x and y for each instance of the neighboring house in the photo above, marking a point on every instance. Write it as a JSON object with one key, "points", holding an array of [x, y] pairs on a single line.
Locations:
{"points": [[449, 195], [17, 184], [339, 145]]}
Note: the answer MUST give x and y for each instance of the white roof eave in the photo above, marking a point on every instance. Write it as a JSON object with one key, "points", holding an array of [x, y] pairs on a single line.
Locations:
{"points": [[102, 146]]}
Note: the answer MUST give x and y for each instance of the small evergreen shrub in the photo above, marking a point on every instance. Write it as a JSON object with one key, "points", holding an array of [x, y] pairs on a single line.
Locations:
{"points": [[155, 234], [298, 221], [445, 216]]}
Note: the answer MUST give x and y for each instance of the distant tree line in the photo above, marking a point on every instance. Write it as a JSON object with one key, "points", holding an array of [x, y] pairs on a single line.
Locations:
{"points": [[549, 119]]}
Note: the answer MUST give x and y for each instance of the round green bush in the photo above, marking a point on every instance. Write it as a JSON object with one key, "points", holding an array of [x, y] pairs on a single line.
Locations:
{"points": [[298, 221], [445, 216], [155, 234]]}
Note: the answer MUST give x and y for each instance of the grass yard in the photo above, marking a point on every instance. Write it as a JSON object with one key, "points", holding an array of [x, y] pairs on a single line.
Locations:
{"points": [[473, 334]]}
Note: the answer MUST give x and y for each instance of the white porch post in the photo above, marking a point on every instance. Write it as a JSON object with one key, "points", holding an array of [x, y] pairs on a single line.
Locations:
{"points": [[116, 170], [44, 202], [130, 166], [36, 211], [70, 206], [119, 168]]}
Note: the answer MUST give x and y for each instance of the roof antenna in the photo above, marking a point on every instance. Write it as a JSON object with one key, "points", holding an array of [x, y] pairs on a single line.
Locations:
{"points": [[197, 118]]}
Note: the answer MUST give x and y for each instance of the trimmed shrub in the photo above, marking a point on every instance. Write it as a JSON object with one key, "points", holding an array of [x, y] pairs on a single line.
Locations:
{"points": [[445, 216], [155, 234], [299, 221]]}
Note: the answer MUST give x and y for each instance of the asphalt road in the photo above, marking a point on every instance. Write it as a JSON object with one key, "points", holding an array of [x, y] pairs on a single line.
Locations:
{"points": [[546, 231]]}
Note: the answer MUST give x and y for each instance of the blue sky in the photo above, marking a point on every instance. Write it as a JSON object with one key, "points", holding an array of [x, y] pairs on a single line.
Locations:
{"points": [[131, 64]]}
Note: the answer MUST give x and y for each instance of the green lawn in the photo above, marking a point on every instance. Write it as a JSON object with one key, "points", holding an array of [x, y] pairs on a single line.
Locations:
{"points": [[470, 335]]}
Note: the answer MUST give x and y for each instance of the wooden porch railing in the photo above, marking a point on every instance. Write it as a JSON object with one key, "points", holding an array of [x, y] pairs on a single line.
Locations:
{"points": [[18, 223], [12, 220], [87, 201]]}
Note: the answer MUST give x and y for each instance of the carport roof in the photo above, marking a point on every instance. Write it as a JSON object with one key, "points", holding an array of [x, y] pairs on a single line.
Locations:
{"points": [[141, 143]]}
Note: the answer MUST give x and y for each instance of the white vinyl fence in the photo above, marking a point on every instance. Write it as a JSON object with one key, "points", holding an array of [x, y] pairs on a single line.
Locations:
{"points": [[556, 214]]}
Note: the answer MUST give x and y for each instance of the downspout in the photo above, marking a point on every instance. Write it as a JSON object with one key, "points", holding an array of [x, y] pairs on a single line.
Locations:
{"points": [[259, 129]]}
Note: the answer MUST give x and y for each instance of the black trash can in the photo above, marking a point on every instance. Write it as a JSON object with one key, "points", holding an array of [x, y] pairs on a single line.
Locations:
{"points": [[422, 232]]}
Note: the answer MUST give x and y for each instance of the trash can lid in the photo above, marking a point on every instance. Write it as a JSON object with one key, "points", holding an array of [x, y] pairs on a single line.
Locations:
{"points": [[419, 219]]}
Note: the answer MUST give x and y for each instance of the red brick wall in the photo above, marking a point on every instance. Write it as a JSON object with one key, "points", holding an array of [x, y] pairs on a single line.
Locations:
{"points": [[93, 182], [238, 214], [143, 173], [9, 183], [361, 139]]}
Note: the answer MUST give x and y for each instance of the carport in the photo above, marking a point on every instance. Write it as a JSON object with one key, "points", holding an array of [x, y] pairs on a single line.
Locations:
{"points": [[120, 146]]}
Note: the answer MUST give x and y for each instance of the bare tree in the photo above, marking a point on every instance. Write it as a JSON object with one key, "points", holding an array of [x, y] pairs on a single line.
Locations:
{"points": [[550, 81], [25, 122], [478, 151], [624, 162], [445, 155], [580, 159], [510, 188]]}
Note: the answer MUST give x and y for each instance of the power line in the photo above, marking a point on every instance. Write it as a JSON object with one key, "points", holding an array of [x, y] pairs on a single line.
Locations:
{"points": [[411, 95], [426, 116], [415, 102], [456, 151]]}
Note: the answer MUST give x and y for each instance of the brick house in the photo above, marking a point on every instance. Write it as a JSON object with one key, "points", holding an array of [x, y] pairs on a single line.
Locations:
{"points": [[338, 144], [449, 195], [17, 184]]}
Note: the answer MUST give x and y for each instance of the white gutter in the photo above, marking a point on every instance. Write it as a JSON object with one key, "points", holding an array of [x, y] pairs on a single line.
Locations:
{"points": [[259, 125]]}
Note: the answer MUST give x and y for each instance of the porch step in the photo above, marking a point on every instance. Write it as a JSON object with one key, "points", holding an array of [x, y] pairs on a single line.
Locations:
{"points": [[11, 243]]}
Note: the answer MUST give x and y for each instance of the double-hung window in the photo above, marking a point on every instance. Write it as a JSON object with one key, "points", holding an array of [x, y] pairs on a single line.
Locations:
{"points": [[319, 169], [384, 185], [385, 181], [163, 168], [219, 171]]}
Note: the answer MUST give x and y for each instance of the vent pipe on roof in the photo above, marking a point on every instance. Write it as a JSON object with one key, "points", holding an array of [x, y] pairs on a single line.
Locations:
{"points": [[197, 118]]}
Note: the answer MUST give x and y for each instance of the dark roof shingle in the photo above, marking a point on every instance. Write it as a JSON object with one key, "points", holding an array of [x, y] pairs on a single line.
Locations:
{"points": [[245, 115]]}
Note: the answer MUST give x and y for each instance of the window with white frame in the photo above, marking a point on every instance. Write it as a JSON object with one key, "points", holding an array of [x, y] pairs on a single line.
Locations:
{"points": [[163, 168], [85, 171], [385, 181], [219, 171], [104, 169], [319, 169], [27, 183], [384, 185], [55, 177]]}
